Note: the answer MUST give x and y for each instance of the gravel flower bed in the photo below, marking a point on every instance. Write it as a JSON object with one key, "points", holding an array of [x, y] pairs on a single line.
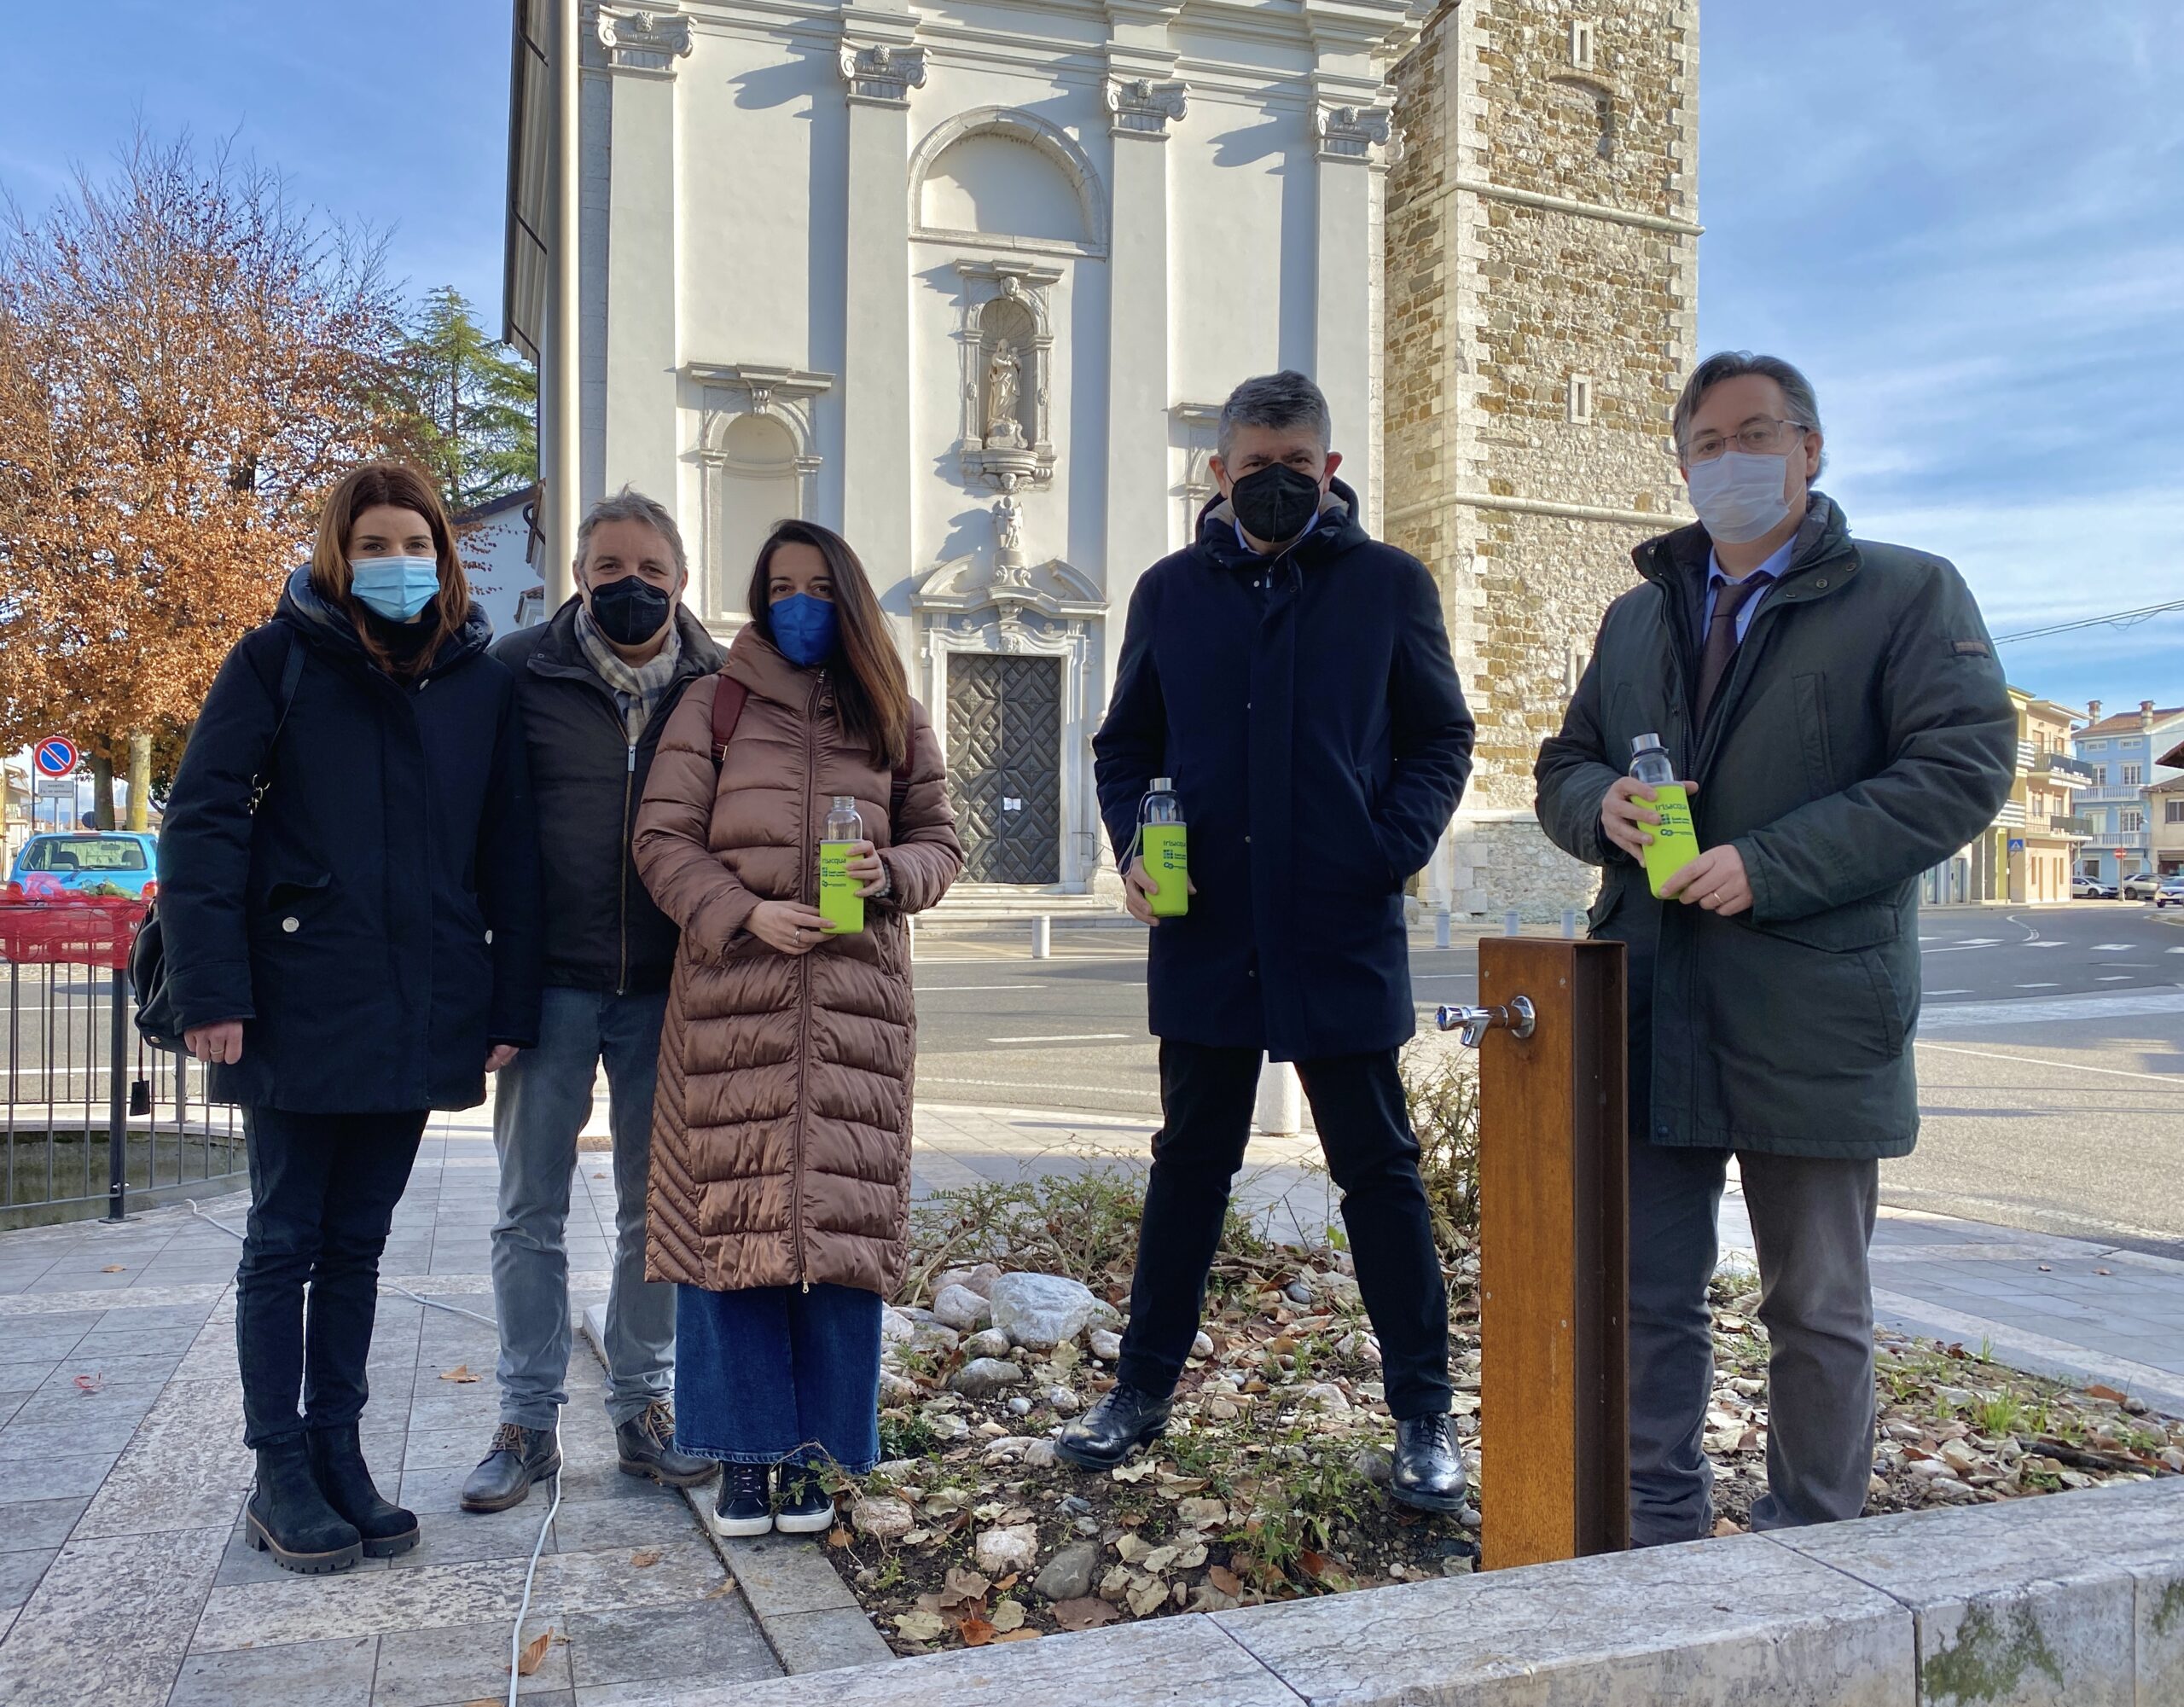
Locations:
{"points": [[1269, 1485]]}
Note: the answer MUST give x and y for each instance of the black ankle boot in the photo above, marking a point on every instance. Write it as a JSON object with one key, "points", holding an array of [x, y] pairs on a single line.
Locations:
{"points": [[289, 1517], [337, 1461], [1119, 1422]]}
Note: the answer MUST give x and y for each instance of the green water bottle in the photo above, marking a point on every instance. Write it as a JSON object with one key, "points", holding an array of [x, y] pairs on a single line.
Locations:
{"points": [[1676, 843], [1163, 849], [840, 902]]}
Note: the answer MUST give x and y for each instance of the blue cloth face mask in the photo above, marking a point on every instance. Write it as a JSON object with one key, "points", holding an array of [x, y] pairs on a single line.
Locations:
{"points": [[396, 587], [803, 628], [1739, 495]]}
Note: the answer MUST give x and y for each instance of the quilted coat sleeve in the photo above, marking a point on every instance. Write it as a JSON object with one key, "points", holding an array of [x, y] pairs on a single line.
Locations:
{"points": [[926, 856], [673, 848]]}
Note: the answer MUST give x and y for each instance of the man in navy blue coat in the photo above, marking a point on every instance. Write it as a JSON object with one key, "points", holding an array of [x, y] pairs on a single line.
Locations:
{"points": [[1293, 676]]}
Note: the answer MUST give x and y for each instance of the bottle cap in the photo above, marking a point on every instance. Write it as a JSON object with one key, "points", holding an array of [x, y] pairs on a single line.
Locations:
{"points": [[1645, 744], [845, 803], [1164, 785]]}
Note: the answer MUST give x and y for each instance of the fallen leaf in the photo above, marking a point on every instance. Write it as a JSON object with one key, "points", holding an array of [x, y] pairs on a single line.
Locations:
{"points": [[964, 1585], [1024, 1635], [2101, 1390], [920, 1627], [1725, 1528], [534, 1654], [645, 1559], [123, 1269], [1315, 1563], [838, 1538], [459, 1373], [976, 1631], [1008, 1616], [1087, 1614], [1132, 1472], [1225, 1579], [1008, 1582]]}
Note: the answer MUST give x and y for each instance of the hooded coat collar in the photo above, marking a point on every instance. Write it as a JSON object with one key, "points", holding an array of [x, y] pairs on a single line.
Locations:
{"points": [[331, 630], [758, 665], [1336, 530]]}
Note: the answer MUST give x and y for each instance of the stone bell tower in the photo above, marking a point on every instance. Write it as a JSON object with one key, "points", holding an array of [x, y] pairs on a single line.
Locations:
{"points": [[1542, 293]]}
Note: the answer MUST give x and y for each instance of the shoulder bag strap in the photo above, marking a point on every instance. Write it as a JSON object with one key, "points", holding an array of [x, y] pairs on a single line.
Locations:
{"points": [[292, 674], [728, 713]]}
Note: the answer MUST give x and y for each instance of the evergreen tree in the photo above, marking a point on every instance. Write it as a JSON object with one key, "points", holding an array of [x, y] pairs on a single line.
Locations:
{"points": [[468, 406]]}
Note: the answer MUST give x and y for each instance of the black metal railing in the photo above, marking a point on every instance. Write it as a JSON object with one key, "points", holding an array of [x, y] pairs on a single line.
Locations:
{"points": [[91, 1116]]}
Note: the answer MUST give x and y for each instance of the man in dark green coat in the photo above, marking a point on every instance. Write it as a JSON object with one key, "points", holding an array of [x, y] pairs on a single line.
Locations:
{"points": [[1839, 710]]}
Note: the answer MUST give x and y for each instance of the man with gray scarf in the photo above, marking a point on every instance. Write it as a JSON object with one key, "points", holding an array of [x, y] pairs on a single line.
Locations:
{"points": [[1838, 708], [597, 682]]}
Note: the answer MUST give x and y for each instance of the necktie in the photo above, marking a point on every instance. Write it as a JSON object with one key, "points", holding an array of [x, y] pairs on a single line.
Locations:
{"points": [[1721, 639]]}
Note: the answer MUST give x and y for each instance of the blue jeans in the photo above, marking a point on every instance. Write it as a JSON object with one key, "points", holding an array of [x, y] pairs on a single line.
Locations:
{"points": [[772, 1374], [323, 1193], [543, 1101]]}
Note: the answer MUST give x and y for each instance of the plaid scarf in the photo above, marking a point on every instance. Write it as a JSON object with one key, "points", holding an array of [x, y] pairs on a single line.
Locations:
{"points": [[637, 687]]}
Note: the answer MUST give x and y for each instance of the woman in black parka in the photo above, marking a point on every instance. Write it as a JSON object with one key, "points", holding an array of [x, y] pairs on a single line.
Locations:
{"points": [[350, 898]]}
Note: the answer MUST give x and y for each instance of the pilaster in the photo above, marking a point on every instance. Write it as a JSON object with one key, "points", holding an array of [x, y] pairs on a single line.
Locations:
{"points": [[643, 422], [880, 66]]}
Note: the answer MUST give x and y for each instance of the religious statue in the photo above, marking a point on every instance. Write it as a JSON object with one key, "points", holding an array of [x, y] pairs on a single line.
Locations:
{"points": [[1008, 525], [1002, 382]]}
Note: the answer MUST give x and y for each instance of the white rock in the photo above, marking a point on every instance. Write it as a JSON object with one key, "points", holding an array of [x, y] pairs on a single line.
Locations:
{"points": [[1039, 1455], [962, 1309], [1041, 1311], [989, 1341], [896, 1328], [1064, 1401], [984, 1377], [1325, 1396], [999, 1551], [882, 1518], [979, 1280], [1106, 1346], [1202, 1346]]}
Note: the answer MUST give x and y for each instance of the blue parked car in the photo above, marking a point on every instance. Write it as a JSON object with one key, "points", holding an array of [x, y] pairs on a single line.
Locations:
{"points": [[114, 863]]}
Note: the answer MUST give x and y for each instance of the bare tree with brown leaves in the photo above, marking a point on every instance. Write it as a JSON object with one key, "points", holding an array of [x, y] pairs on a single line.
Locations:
{"points": [[188, 361]]}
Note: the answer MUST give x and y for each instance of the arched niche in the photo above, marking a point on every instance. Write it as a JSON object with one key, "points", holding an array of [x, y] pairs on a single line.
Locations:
{"points": [[758, 450], [997, 178]]}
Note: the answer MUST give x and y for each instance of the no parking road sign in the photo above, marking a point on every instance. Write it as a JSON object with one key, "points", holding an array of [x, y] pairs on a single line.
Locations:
{"points": [[57, 756]]}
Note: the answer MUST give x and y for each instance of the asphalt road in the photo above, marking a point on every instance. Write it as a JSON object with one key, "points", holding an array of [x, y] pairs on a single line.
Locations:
{"points": [[2051, 1053]]}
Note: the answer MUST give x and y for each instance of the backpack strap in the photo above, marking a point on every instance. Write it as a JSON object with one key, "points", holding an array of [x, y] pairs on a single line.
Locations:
{"points": [[728, 713]]}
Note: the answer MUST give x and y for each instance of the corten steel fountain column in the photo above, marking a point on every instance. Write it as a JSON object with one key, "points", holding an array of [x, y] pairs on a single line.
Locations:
{"points": [[1554, 1266]]}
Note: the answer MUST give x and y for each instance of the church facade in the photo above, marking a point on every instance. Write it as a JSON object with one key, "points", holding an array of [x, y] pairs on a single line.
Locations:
{"points": [[969, 281]]}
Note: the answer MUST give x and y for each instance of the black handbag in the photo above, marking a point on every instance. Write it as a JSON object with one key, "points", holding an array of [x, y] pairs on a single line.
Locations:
{"points": [[157, 1022]]}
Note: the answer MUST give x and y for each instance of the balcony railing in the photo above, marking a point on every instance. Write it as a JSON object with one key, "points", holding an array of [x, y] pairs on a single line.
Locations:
{"points": [[2072, 826], [2063, 768]]}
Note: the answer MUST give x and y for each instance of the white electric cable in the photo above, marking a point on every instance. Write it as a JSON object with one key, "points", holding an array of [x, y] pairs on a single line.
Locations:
{"points": [[531, 1574]]}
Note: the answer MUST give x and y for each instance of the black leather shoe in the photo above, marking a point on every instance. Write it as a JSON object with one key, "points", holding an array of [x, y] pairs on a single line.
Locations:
{"points": [[519, 1456], [647, 1445], [804, 1508], [743, 1506], [1429, 1472], [290, 1518], [337, 1463], [1121, 1420]]}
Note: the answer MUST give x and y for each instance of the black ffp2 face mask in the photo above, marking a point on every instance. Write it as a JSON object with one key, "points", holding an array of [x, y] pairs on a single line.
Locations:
{"points": [[631, 611], [1275, 503]]}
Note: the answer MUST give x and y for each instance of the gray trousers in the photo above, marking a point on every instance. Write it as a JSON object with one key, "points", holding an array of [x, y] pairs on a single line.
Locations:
{"points": [[541, 1103], [1812, 1222]]}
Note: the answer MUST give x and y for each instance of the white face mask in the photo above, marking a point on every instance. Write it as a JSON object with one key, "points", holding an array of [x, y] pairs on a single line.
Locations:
{"points": [[1739, 495]]}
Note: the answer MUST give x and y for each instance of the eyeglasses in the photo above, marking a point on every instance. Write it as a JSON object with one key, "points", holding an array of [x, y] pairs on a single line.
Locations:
{"points": [[1755, 437]]}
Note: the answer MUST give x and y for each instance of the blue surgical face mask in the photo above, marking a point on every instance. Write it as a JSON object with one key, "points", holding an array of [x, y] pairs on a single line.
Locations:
{"points": [[803, 628], [396, 587], [1739, 495]]}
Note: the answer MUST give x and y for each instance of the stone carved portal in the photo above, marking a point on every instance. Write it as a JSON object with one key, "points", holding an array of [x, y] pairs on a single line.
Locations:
{"points": [[1007, 341], [1007, 648]]}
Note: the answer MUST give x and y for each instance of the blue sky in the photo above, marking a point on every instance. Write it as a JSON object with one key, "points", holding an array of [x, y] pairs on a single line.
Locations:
{"points": [[1965, 218]]}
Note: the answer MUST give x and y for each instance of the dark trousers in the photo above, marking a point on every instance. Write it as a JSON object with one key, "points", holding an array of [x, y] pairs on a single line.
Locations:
{"points": [[322, 1192], [1812, 1222], [1206, 1095]]}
